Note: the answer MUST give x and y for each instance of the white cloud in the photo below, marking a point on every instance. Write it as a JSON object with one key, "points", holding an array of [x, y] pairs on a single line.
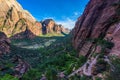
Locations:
{"points": [[68, 23], [76, 13]]}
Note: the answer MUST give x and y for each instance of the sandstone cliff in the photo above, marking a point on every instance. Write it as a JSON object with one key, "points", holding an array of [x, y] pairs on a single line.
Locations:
{"points": [[50, 26], [99, 22], [14, 19]]}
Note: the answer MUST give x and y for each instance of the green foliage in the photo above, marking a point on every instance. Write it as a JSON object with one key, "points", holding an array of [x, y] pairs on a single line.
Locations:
{"points": [[22, 21], [51, 73], [32, 74], [51, 35], [103, 43], [97, 78], [114, 74], [59, 56], [76, 77], [8, 77]]}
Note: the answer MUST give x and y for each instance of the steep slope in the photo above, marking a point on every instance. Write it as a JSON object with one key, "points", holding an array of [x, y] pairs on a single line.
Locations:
{"points": [[99, 21], [14, 19]]}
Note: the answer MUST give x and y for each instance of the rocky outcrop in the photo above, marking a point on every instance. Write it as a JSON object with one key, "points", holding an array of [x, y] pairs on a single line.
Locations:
{"points": [[14, 19], [26, 34], [4, 44], [49, 26], [21, 68], [99, 23]]}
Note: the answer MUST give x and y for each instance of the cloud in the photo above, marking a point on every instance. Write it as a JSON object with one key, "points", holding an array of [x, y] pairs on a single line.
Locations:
{"points": [[68, 23], [76, 13]]}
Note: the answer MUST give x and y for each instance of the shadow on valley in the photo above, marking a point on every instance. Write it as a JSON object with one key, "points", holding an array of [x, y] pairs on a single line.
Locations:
{"points": [[45, 55]]}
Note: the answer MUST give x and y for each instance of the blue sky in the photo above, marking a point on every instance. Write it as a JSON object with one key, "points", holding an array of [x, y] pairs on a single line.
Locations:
{"points": [[63, 12]]}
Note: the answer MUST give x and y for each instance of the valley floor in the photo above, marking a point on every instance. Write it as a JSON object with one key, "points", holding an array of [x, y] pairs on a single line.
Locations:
{"points": [[44, 58], [47, 56]]}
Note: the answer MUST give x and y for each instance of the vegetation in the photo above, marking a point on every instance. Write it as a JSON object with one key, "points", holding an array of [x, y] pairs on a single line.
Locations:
{"points": [[51, 35], [115, 73], [8, 77], [50, 60]]}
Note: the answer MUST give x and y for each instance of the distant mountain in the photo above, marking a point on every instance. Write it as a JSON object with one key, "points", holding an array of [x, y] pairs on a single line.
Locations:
{"points": [[50, 26], [14, 19]]}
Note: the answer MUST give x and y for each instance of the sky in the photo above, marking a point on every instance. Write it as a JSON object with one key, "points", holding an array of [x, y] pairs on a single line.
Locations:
{"points": [[64, 12]]}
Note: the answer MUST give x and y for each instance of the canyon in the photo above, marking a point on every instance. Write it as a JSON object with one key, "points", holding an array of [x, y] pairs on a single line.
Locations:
{"points": [[45, 50], [14, 19], [99, 20]]}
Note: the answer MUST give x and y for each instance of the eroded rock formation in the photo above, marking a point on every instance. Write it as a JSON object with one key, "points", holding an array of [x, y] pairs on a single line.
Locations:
{"points": [[49, 26], [101, 21], [14, 19]]}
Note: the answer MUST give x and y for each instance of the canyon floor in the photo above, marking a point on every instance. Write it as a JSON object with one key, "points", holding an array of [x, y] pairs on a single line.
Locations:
{"points": [[47, 58], [43, 56]]}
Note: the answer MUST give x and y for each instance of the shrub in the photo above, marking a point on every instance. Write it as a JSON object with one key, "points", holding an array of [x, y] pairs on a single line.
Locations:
{"points": [[8, 77], [32, 74]]}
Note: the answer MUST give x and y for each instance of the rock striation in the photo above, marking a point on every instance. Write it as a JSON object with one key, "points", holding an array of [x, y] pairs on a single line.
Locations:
{"points": [[14, 19], [100, 21]]}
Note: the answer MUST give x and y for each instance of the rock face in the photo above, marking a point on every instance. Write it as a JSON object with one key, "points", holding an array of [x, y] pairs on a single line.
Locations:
{"points": [[14, 19], [100, 20], [49, 26], [4, 44], [26, 34]]}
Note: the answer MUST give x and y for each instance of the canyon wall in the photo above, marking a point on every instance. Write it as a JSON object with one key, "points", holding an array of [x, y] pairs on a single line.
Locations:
{"points": [[100, 21], [14, 19]]}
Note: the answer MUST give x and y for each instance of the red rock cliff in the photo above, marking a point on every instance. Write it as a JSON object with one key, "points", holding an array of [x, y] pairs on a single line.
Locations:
{"points": [[100, 20]]}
